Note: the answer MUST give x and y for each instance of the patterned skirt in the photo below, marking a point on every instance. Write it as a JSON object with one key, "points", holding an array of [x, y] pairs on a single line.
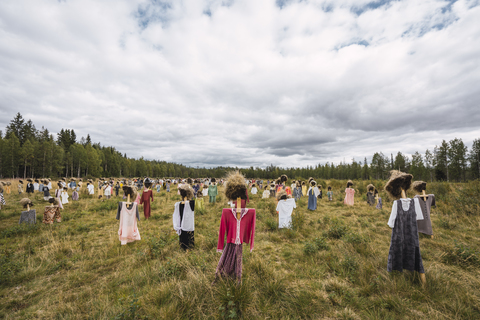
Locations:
{"points": [[230, 264]]}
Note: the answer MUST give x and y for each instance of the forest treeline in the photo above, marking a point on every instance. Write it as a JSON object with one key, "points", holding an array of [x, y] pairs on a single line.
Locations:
{"points": [[29, 152]]}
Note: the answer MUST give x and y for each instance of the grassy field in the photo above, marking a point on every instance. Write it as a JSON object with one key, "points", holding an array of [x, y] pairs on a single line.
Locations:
{"points": [[332, 264]]}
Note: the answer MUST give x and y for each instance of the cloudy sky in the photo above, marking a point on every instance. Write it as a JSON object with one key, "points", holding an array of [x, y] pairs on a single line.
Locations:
{"points": [[237, 82]]}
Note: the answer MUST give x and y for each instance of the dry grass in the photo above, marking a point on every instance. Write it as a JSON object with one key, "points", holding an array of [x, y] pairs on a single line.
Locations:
{"points": [[332, 264]]}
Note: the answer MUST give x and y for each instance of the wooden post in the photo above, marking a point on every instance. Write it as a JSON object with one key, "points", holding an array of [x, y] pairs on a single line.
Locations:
{"points": [[128, 200], [404, 195], [28, 207], [423, 279], [424, 195], [239, 208]]}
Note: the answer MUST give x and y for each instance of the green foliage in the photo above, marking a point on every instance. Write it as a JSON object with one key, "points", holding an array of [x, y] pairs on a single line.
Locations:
{"points": [[9, 267], [337, 230], [463, 255], [200, 211], [271, 224], [20, 229], [467, 199], [233, 299], [318, 244], [130, 308], [298, 220]]}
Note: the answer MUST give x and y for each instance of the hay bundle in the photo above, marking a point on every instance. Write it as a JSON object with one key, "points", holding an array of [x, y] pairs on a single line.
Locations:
{"points": [[419, 186], [186, 191], [398, 181], [26, 202], [235, 187], [371, 188]]}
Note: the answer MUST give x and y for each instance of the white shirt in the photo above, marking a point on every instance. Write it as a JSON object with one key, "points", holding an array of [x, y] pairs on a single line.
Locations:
{"points": [[108, 191], [188, 221], [405, 206], [91, 189], [205, 192], [316, 192], [64, 196], [285, 209], [254, 190]]}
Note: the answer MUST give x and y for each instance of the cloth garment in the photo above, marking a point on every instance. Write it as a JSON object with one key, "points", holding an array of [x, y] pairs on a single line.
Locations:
{"points": [[379, 204], [184, 223], [128, 216], [49, 185], [158, 187], [58, 194], [108, 191], [266, 194], [285, 209], [30, 188], [349, 196], [75, 195], [205, 192], [304, 190], [212, 193], [35, 186], [230, 264], [293, 186], [330, 195], [20, 188], [320, 194], [46, 193], [425, 226], [91, 189], [2, 199], [51, 213], [200, 203], [312, 199], [254, 190], [404, 250], [40, 187], [168, 187], [297, 193], [405, 205], [238, 231], [370, 198], [288, 190], [117, 189], [64, 197], [145, 200], [29, 216], [137, 199], [272, 192]]}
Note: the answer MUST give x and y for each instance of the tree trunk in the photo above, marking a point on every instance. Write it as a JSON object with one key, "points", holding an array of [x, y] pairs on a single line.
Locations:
{"points": [[25, 169]]}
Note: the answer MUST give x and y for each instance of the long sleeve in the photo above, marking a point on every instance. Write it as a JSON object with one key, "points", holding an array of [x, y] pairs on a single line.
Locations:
{"points": [[393, 215], [221, 233], [248, 200], [192, 204], [151, 195], [252, 235], [119, 209], [137, 214], [141, 198], [418, 209], [176, 219]]}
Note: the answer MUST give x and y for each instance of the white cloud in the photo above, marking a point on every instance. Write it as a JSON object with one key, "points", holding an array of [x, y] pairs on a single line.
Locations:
{"points": [[245, 82]]}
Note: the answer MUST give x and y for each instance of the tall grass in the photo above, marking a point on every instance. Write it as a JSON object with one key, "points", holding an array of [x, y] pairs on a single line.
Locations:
{"points": [[331, 264]]}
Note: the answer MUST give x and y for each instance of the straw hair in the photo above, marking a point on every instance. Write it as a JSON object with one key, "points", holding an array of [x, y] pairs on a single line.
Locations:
{"points": [[419, 186], [282, 193], [214, 180], [29, 180], [130, 190], [312, 183], [1, 189], [53, 201], [398, 181], [235, 186], [370, 187], [186, 191], [283, 178], [349, 183], [25, 201]]}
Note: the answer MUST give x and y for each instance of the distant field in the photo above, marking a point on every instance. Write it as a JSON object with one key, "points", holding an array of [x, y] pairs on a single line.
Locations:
{"points": [[332, 264]]}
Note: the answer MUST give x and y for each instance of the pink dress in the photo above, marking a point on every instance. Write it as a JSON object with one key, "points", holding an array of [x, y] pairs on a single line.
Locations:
{"points": [[349, 192], [128, 230]]}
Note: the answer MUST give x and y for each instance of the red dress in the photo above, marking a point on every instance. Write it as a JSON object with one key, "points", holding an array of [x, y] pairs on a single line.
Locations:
{"points": [[145, 200]]}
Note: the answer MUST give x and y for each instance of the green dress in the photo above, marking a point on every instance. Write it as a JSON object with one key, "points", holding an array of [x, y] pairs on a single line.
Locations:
{"points": [[212, 193]]}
